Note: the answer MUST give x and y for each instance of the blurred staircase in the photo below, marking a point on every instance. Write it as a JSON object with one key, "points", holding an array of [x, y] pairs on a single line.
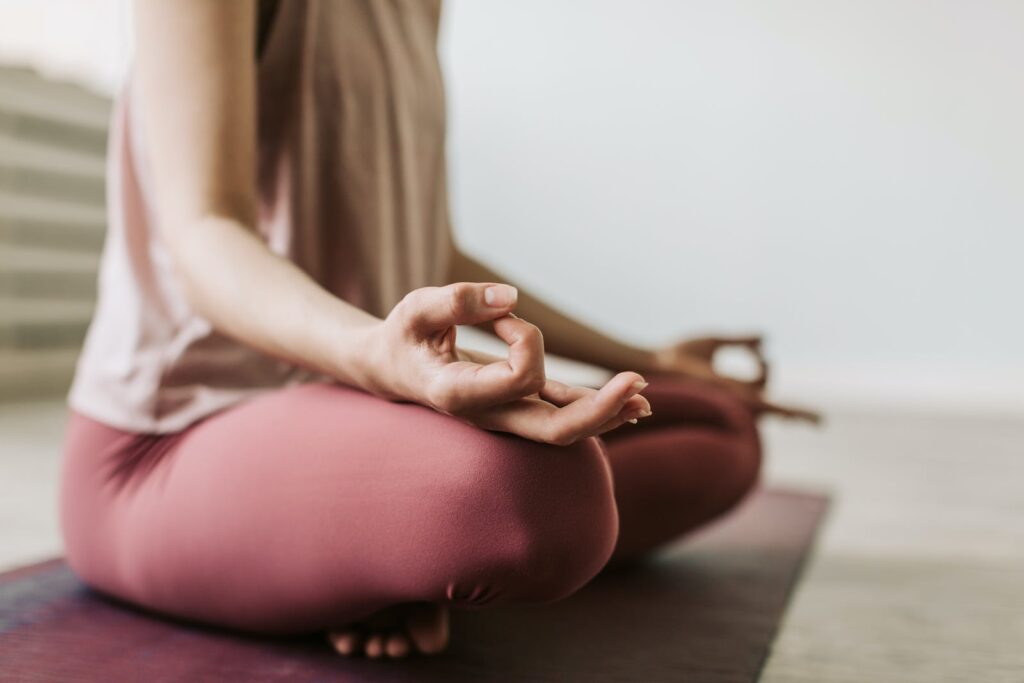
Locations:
{"points": [[52, 222]]}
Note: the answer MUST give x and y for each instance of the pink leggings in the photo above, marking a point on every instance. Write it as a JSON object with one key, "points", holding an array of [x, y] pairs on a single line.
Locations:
{"points": [[313, 506]]}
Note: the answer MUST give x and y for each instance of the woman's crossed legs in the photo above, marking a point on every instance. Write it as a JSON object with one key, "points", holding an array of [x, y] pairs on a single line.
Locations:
{"points": [[313, 507]]}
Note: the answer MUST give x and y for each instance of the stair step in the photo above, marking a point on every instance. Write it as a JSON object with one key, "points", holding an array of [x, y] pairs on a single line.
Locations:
{"points": [[53, 131], [47, 273], [32, 221], [26, 90], [53, 112], [34, 374], [29, 167], [84, 103], [43, 323]]}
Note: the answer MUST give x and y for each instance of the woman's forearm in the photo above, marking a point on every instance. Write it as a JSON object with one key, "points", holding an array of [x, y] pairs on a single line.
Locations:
{"points": [[266, 301], [197, 110], [563, 335]]}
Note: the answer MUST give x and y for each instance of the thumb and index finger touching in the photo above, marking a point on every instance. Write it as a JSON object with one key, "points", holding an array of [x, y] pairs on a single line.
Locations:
{"points": [[432, 310]]}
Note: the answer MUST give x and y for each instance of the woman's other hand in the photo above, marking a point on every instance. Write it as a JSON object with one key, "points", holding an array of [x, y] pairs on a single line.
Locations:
{"points": [[694, 358], [414, 357]]}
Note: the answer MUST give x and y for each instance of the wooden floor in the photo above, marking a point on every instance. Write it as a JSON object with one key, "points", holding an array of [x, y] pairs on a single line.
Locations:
{"points": [[919, 575]]}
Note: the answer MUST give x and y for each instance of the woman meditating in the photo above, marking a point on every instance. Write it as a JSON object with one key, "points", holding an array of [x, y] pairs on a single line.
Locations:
{"points": [[273, 426]]}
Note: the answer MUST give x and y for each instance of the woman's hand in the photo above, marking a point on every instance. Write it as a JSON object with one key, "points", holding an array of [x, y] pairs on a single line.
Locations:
{"points": [[694, 358], [414, 357]]}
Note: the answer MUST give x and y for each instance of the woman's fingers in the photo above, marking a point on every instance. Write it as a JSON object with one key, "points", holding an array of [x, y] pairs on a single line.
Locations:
{"points": [[633, 410], [499, 391], [468, 386], [525, 363], [622, 418], [429, 310], [584, 416], [561, 394], [751, 341], [754, 344], [588, 414], [763, 406], [761, 381], [705, 348]]}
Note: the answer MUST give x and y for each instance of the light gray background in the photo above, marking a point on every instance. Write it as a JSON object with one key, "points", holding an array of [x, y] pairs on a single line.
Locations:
{"points": [[846, 175]]}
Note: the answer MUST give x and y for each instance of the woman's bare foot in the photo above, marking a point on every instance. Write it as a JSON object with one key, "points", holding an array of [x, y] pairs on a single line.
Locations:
{"points": [[396, 632]]}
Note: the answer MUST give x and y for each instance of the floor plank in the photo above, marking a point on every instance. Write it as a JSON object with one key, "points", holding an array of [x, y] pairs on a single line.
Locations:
{"points": [[920, 573]]}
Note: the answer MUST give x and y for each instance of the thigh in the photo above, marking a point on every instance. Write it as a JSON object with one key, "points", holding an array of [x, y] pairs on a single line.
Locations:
{"points": [[323, 503], [691, 461]]}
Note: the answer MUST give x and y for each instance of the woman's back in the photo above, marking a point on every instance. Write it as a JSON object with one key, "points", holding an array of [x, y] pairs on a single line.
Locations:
{"points": [[352, 189]]}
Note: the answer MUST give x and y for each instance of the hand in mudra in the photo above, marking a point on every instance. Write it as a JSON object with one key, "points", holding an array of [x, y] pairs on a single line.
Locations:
{"points": [[694, 358], [415, 358]]}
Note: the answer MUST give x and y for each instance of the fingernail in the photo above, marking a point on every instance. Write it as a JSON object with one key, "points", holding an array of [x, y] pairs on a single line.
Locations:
{"points": [[639, 384], [500, 296], [637, 416]]}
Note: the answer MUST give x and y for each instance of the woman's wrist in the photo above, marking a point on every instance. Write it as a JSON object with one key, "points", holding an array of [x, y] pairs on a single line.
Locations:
{"points": [[660, 359], [353, 348], [636, 359]]}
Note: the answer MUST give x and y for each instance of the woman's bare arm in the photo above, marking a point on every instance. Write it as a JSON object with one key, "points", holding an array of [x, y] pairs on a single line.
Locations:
{"points": [[196, 71], [197, 77]]}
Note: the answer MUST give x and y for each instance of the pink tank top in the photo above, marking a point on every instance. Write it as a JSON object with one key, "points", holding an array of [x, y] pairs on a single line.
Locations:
{"points": [[352, 185]]}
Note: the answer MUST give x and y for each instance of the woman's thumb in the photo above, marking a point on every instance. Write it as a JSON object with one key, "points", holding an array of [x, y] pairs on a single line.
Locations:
{"points": [[463, 303]]}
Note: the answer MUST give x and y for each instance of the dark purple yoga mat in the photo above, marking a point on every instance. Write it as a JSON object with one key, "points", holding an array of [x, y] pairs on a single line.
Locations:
{"points": [[705, 609]]}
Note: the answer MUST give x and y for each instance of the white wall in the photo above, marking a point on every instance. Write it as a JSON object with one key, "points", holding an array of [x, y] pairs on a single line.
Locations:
{"points": [[848, 176], [80, 40]]}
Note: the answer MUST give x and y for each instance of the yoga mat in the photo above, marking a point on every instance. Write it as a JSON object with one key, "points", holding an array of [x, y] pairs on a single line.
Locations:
{"points": [[704, 609]]}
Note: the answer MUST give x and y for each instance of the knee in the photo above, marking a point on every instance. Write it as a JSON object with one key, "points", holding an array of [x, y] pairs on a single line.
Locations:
{"points": [[552, 514], [746, 457], [735, 453], [736, 420]]}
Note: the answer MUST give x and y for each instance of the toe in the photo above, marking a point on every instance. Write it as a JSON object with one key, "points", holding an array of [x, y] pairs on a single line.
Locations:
{"points": [[427, 626], [397, 645], [345, 642], [375, 646]]}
